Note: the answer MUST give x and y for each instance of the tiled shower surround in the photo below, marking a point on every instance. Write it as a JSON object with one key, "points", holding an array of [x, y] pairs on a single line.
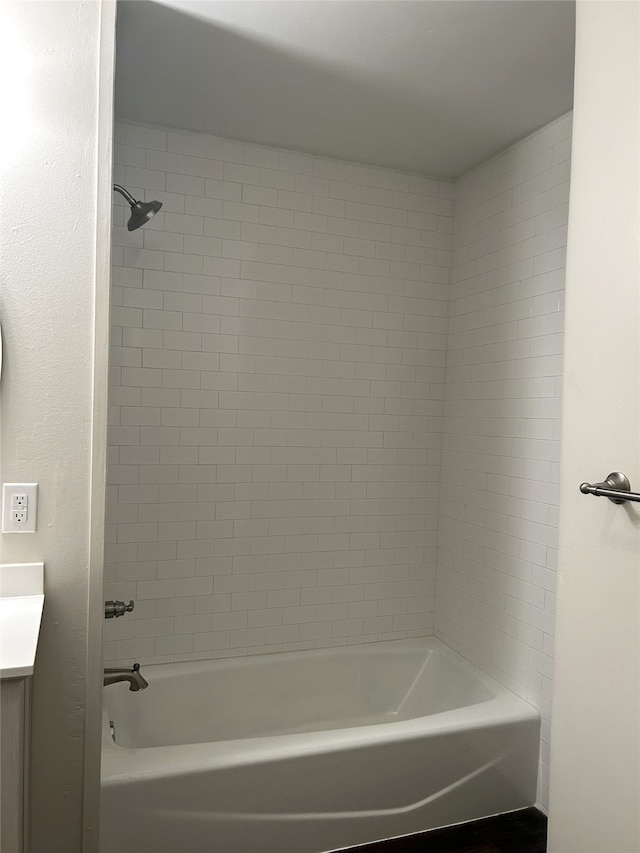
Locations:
{"points": [[280, 408], [501, 430], [279, 335]]}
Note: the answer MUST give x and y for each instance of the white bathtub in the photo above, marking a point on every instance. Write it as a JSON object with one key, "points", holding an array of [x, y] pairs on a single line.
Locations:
{"points": [[310, 751]]}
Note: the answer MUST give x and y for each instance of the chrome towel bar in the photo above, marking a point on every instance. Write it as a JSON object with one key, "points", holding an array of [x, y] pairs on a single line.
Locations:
{"points": [[616, 487]]}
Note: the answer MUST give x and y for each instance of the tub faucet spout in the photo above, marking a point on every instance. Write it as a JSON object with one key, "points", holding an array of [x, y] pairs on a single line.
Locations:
{"points": [[135, 678]]}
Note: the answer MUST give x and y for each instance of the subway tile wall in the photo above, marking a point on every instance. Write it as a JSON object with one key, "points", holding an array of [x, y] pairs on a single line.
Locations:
{"points": [[501, 429], [278, 357], [278, 375]]}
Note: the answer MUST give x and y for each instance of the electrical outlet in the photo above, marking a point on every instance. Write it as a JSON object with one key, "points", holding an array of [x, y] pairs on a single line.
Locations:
{"points": [[19, 507]]}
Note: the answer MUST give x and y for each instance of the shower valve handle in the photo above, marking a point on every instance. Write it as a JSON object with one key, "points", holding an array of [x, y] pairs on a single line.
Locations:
{"points": [[113, 609]]}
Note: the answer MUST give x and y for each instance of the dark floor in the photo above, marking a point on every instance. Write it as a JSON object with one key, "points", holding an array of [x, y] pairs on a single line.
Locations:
{"points": [[523, 831]]}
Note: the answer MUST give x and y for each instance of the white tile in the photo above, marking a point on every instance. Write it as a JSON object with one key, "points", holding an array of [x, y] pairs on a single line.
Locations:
{"points": [[186, 143], [146, 137], [513, 443], [278, 417]]}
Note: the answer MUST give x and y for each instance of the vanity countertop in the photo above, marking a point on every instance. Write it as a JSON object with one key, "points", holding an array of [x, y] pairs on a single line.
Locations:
{"points": [[21, 603]]}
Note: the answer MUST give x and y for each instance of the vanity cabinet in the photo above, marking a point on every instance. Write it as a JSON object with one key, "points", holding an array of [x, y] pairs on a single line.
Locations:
{"points": [[21, 603], [14, 763]]}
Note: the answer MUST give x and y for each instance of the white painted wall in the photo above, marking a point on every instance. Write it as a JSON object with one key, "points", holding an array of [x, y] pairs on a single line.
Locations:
{"points": [[595, 755], [54, 251], [279, 333], [500, 446]]}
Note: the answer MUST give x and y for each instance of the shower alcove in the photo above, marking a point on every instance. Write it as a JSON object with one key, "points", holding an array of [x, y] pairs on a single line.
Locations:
{"points": [[335, 387]]}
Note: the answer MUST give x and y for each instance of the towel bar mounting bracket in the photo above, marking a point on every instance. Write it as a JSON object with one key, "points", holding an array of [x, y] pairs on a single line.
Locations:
{"points": [[616, 487]]}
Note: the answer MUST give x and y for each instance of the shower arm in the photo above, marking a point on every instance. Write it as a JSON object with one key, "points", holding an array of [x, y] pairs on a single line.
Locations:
{"points": [[124, 193]]}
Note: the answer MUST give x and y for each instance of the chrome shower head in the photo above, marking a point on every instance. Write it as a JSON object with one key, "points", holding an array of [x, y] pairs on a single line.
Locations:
{"points": [[141, 211]]}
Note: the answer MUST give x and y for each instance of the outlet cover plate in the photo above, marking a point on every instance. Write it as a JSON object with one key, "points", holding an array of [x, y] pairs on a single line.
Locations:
{"points": [[18, 500]]}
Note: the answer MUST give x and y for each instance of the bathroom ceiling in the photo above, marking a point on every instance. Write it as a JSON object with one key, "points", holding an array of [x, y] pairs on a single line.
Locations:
{"points": [[430, 86]]}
